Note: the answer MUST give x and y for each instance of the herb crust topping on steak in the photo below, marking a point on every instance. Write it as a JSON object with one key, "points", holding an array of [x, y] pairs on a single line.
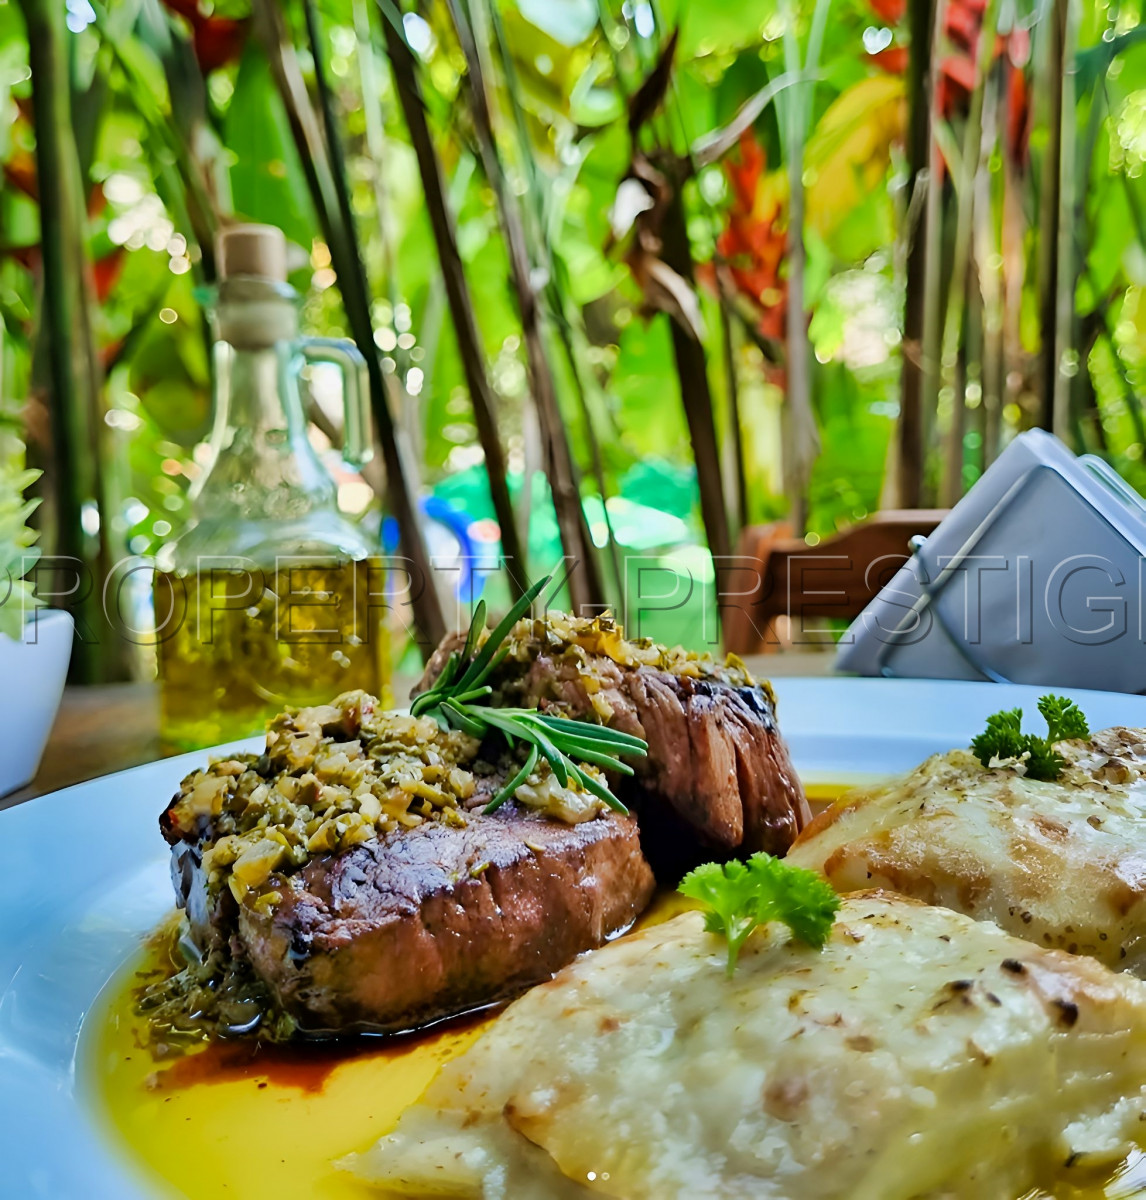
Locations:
{"points": [[717, 780]]}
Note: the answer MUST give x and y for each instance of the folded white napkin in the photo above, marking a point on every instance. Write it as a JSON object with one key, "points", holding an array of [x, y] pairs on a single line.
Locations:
{"points": [[1036, 576]]}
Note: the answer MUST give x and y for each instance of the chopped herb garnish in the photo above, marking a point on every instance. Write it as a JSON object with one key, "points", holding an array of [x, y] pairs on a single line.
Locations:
{"points": [[568, 746], [1004, 742], [740, 896]]}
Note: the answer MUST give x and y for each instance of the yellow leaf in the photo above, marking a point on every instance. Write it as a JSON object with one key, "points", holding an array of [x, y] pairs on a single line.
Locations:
{"points": [[848, 153]]}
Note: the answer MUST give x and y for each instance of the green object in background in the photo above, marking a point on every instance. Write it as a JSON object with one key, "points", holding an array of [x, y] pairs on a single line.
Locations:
{"points": [[655, 507], [667, 588], [662, 485], [635, 526]]}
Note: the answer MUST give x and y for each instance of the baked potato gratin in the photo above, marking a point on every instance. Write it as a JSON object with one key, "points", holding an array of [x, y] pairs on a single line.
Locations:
{"points": [[1060, 862], [920, 1054], [950, 1030]]}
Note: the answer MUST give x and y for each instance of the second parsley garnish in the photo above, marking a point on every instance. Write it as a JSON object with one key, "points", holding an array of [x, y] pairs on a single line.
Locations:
{"points": [[1003, 739]]}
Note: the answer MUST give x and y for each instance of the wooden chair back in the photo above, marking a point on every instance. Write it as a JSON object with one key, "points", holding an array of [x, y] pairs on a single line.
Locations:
{"points": [[779, 576]]}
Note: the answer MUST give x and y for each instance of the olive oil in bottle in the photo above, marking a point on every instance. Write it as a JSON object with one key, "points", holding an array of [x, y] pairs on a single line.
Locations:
{"points": [[229, 667], [271, 597]]}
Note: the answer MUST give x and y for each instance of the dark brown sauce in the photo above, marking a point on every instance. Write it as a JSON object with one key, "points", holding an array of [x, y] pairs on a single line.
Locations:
{"points": [[305, 1065], [307, 1062]]}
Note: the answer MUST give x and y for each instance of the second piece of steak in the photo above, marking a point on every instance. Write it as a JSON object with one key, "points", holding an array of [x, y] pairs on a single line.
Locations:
{"points": [[437, 920], [717, 779]]}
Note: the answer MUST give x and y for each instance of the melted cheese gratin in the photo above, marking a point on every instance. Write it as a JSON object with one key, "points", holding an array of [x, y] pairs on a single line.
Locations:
{"points": [[920, 1054], [1060, 863]]}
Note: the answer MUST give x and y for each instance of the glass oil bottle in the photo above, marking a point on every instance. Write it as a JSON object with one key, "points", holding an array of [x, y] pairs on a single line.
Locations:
{"points": [[270, 598]]}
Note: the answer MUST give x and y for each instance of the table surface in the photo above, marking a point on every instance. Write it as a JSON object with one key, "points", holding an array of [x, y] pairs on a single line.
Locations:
{"points": [[109, 728]]}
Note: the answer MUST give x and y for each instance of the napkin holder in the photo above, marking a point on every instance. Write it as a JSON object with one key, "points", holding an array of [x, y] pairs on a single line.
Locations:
{"points": [[1036, 576]]}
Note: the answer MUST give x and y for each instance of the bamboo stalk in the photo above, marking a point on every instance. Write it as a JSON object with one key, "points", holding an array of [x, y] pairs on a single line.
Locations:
{"points": [[586, 589], [1012, 236], [326, 177], [371, 83], [1065, 414], [1050, 209], [954, 457], [171, 137], [988, 252], [1133, 401], [51, 119], [803, 440], [565, 314], [978, 143], [1085, 410], [1085, 331], [409, 408], [735, 428], [934, 299], [401, 476], [482, 396], [922, 185], [73, 398], [574, 346], [696, 395]]}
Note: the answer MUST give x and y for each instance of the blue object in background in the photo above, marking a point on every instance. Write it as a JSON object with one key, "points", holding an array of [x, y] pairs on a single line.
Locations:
{"points": [[457, 524]]}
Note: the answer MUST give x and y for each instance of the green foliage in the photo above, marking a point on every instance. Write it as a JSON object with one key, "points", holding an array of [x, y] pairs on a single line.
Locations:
{"points": [[569, 23], [267, 182], [179, 144], [17, 552], [740, 896]]}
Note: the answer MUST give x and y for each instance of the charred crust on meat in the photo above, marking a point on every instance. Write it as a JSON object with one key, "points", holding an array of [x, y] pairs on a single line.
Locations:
{"points": [[300, 946], [761, 704]]}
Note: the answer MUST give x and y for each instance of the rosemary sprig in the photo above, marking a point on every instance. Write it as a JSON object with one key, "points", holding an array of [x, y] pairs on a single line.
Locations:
{"points": [[568, 746]]}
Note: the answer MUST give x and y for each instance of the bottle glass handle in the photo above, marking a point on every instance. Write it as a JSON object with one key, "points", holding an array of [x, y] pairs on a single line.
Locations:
{"points": [[357, 448]]}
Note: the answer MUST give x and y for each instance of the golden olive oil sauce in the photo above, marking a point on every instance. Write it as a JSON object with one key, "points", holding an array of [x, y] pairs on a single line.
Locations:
{"points": [[246, 1120]]}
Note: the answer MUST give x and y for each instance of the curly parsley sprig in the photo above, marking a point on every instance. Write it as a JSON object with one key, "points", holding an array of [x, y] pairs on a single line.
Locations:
{"points": [[1003, 739], [568, 746], [740, 896]]}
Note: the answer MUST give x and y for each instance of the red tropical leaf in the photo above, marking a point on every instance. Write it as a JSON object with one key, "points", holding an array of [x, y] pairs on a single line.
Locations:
{"points": [[219, 41], [744, 176], [1019, 46], [956, 82], [1018, 116], [106, 272], [893, 59], [216, 40], [891, 12], [753, 243], [962, 24], [97, 201], [20, 171]]}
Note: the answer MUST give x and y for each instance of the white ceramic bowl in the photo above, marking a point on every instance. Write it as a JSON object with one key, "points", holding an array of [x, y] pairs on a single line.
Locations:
{"points": [[32, 674]]}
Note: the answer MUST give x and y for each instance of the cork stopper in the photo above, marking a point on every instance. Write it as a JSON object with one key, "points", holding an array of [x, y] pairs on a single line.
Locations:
{"points": [[251, 250]]}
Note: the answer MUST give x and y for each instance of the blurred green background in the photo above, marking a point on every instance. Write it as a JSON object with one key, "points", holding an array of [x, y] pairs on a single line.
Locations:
{"points": [[776, 259]]}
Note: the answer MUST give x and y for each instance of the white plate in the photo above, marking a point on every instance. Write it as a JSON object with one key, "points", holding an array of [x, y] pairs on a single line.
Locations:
{"points": [[83, 874]]}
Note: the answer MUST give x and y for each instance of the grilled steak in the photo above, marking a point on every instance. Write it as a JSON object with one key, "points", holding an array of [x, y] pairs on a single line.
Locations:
{"points": [[439, 920], [717, 779], [349, 879], [350, 868]]}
